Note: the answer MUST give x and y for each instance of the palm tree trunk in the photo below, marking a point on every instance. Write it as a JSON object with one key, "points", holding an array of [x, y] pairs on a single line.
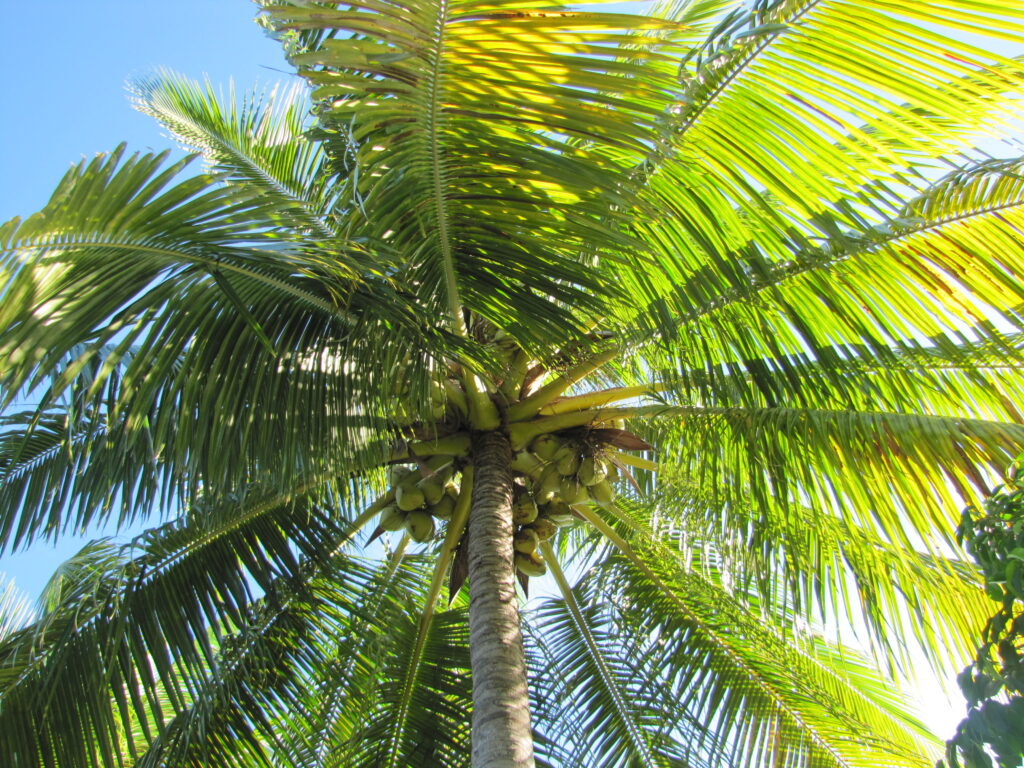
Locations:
{"points": [[501, 707]]}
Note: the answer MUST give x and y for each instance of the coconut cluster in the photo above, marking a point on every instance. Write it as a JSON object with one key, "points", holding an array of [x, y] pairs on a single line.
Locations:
{"points": [[421, 497], [553, 474]]}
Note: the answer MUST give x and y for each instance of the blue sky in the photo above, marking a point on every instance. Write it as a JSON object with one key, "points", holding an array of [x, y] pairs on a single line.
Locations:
{"points": [[67, 99], [68, 62]]}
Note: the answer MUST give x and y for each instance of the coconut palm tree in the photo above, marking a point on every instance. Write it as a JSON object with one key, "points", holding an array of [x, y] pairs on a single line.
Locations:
{"points": [[695, 322]]}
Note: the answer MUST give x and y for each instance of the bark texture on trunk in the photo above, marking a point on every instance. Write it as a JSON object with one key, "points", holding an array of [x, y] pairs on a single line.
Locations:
{"points": [[501, 707]]}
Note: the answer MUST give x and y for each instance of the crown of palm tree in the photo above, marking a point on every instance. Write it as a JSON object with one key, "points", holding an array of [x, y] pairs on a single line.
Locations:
{"points": [[738, 264]]}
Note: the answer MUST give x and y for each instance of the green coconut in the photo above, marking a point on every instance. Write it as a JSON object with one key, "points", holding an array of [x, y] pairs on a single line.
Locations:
{"points": [[420, 526], [526, 541], [433, 489], [545, 446], [557, 507], [398, 473], [524, 510], [527, 463], [572, 491], [391, 518], [531, 565], [592, 471], [543, 527], [567, 461], [409, 498], [444, 508], [602, 493], [548, 484], [410, 479]]}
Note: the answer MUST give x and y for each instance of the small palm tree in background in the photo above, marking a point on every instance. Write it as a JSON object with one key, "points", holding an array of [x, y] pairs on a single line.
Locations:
{"points": [[714, 309]]}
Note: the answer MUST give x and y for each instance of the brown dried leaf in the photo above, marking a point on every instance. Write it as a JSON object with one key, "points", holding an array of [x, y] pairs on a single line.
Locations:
{"points": [[620, 438], [524, 582], [377, 533]]}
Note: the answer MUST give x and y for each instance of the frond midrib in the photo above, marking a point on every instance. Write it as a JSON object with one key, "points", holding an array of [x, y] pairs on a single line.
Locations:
{"points": [[767, 689], [808, 657], [190, 257], [437, 174], [807, 266], [335, 695], [635, 731], [233, 149], [710, 100]]}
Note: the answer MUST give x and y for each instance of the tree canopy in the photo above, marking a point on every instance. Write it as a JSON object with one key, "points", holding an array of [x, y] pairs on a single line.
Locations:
{"points": [[747, 259]]}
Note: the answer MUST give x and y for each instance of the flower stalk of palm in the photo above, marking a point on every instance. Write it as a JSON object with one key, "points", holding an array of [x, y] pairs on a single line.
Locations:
{"points": [[510, 227]]}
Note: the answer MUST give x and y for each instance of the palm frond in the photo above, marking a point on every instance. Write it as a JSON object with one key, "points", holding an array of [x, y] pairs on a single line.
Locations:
{"points": [[770, 694], [862, 290], [193, 275], [130, 634], [800, 68], [491, 136], [400, 685], [889, 471], [261, 143], [615, 717], [350, 665], [824, 566]]}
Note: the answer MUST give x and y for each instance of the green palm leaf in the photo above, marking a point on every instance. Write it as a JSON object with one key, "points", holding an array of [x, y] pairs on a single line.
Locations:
{"points": [[261, 143], [213, 253], [156, 615], [516, 232], [739, 683], [826, 567], [467, 162]]}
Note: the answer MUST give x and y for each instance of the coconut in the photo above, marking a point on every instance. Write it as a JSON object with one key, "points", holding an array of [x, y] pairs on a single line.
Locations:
{"points": [[433, 489], [548, 484], [602, 493], [524, 510], [409, 497], [420, 526], [572, 491], [527, 463], [398, 473], [592, 471], [567, 461], [557, 507], [410, 479], [391, 518], [543, 527], [444, 508], [545, 446], [531, 565], [526, 541]]}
